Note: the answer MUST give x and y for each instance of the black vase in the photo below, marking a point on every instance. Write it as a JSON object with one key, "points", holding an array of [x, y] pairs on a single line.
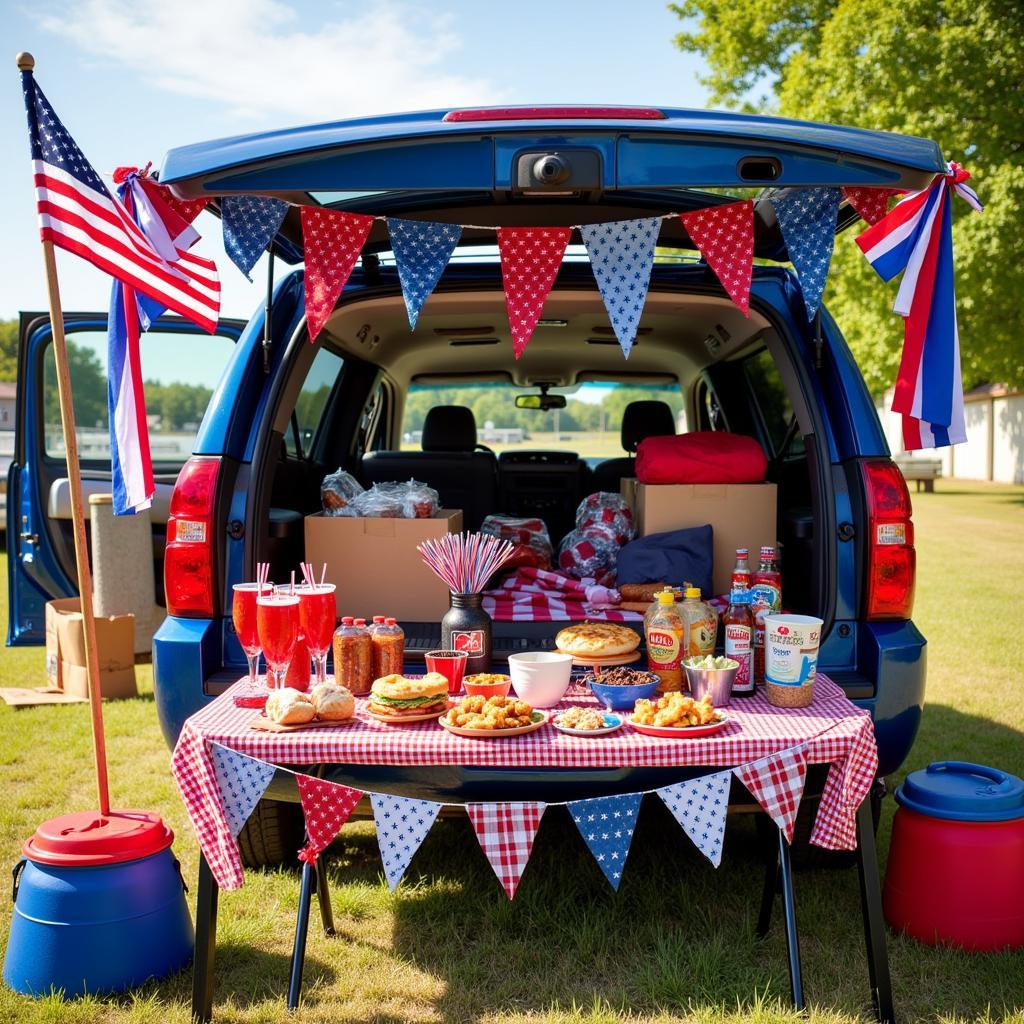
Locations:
{"points": [[467, 627]]}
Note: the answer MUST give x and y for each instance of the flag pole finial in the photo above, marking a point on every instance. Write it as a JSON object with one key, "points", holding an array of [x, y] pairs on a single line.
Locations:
{"points": [[25, 61]]}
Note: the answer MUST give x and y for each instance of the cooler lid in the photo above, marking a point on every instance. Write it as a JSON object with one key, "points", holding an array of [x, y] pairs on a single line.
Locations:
{"points": [[961, 791], [89, 839]]}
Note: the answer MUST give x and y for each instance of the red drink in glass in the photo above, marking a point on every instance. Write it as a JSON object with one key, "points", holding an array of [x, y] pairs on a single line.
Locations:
{"points": [[277, 622], [451, 664], [318, 617], [243, 615]]}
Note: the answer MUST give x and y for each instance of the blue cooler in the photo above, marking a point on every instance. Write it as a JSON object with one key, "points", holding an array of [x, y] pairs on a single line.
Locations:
{"points": [[99, 906]]}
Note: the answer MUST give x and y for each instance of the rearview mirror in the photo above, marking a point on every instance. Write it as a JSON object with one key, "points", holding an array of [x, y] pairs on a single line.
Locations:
{"points": [[541, 402]]}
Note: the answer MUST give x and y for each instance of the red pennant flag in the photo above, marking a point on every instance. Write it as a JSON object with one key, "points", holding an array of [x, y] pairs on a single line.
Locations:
{"points": [[725, 237], [871, 203], [326, 806], [332, 243], [506, 834], [777, 783], [530, 258]]}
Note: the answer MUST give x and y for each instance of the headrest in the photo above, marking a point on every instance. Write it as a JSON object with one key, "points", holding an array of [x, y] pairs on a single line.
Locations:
{"points": [[645, 419], [449, 428]]}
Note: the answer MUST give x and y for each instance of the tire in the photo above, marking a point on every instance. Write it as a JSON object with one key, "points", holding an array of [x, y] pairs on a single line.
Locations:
{"points": [[272, 835]]}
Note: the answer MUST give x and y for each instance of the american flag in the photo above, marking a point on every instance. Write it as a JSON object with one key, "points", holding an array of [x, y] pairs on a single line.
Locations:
{"points": [[78, 213]]}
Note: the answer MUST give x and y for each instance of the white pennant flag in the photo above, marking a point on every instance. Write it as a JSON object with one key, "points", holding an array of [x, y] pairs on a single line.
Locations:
{"points": [[700, 806], [402, 825]]}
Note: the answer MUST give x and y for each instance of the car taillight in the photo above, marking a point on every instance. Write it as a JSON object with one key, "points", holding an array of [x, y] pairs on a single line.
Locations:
{"points": [[891, 559], [189, 584], [556, 114]]}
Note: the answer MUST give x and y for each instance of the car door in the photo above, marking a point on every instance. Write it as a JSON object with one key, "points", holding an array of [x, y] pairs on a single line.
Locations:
{"points": [[181, 367]]}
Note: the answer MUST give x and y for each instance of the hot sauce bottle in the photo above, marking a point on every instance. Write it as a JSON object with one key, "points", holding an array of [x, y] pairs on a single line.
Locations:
{"points": [[738, 623], [765, 599]]}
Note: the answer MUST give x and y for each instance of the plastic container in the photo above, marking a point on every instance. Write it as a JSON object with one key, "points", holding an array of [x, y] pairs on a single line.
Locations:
{"points": [[353, 656], [700, 625], [388, 641], [665, 635], [790, 658], [956, 864], [99, 906]]}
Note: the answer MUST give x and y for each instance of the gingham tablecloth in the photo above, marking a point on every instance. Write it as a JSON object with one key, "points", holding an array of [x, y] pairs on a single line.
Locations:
{"points": [[836, 732]]}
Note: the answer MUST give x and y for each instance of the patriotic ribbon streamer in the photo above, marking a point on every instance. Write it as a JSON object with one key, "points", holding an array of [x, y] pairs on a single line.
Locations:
{"points": [[241, 781], [870, 203], [916, 237], [807, 217], [725, 237], [700, 806], [250, 224], [402, 825], [422, 251], [607, 824]]}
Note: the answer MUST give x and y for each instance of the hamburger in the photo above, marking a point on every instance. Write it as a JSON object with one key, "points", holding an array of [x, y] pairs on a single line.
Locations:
{"points": [[400, 697]]}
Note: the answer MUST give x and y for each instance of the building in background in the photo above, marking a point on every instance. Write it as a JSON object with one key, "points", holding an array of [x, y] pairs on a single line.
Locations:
{"points": [[7, 392]]}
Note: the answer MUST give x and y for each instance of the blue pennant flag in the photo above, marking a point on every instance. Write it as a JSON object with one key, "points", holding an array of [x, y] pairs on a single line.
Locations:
{"points": [[807, 217], [402, 825], [700, 806], [422, 251], [250, 224], [606, 824], [241, 781], [622, 256]]}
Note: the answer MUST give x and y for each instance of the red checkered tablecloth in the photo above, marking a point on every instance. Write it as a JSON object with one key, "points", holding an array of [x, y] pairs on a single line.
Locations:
{"points": [[836, 732]]}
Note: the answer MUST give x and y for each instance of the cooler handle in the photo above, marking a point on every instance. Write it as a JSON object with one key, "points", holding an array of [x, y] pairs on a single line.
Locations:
{"points": [[16, 875], [181, 877], [994, 774]]}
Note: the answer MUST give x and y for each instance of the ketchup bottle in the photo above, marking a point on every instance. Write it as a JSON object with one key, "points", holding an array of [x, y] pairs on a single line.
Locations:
{"points": [[765, 599]]}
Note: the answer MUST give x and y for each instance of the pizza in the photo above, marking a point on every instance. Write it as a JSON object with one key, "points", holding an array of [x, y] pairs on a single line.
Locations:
{"points": [[597, 640]]}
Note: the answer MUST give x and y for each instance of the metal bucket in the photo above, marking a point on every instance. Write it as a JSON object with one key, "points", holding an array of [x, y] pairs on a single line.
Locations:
{"points": [[716, 682]]}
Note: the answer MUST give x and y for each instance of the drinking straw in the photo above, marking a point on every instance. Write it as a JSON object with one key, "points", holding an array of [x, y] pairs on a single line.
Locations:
{"points": [[323, 574], [465, 561], [292, 591]]}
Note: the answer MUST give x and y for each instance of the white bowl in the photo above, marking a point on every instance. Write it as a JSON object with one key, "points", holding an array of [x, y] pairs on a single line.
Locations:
{"points": [[540, 677]]}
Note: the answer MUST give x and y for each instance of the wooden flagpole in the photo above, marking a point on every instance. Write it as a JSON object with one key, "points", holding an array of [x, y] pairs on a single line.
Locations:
{"points": [[26, 62]]}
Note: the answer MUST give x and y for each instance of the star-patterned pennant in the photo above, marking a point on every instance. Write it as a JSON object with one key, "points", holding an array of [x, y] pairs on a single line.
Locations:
{"points": [[700, 806], [777, 783], [402, 825], [807, 217], [241, 781], [422, 251], [326, 806], [725, 237], [250, 224], [622, 257], [530, 258], [332, 242], [506, 833], [607, 824], [871, 203]]}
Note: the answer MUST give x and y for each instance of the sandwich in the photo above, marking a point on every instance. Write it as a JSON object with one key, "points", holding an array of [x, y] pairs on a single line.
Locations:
{"points": [[400, 697]]}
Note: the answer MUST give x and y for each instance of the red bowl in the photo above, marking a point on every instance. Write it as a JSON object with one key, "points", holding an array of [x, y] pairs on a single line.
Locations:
{"points": [[487, 689]]}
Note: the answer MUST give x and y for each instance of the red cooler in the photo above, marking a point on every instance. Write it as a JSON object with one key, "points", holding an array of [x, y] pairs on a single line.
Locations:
{"points": [[956, 864]]}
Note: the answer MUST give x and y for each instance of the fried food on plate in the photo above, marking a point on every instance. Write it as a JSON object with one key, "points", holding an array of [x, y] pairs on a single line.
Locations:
{"points": [[584, 719], [477, 712], [675, 710]]}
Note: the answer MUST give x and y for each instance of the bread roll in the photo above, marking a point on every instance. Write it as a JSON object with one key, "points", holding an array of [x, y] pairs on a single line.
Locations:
{"points": [[640, 591], [333, 703], [289, 707]]}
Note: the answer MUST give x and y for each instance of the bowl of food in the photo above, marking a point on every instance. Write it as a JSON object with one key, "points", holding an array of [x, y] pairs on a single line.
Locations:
{"points": [[487, 684], [618, 689], [711, 677], [540, 677]]}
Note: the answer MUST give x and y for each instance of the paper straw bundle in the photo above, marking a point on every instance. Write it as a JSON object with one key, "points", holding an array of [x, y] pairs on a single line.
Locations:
{"points": [[465, 561]]}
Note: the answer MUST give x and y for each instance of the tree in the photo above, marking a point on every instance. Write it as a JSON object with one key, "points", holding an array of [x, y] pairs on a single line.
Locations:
{"points": [[8, 349], [88, 387], [950, 71]]}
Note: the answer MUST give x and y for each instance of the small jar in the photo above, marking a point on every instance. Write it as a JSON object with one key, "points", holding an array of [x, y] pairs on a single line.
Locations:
{"points": [[388, 648], [353, 655]]}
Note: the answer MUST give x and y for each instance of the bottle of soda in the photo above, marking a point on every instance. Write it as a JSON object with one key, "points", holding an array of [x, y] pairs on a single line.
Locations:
{"points": [[738, 624], [765, 599], [741, 570]]}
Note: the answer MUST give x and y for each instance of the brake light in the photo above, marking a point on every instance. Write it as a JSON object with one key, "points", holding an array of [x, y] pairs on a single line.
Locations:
{"points": [[556, 114], [891, 559], [189, 584]]}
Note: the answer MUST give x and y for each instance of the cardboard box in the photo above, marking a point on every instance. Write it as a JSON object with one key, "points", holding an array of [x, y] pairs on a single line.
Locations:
{"points": [[375, 565], [115, 645], [741, 516]]}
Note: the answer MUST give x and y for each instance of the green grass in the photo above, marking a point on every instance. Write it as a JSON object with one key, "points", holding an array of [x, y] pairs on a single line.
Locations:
{"points": [[676, 942]]}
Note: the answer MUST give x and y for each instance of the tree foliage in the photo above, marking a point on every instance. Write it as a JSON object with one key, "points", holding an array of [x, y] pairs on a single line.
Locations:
{"points": [[8, 350], [950, 71]]}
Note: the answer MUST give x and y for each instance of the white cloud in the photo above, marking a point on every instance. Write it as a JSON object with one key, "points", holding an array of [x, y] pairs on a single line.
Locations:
{"points": [[261, 59]]}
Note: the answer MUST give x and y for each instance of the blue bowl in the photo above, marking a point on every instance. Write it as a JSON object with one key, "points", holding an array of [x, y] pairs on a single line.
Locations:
{"points": [[622, 698]]}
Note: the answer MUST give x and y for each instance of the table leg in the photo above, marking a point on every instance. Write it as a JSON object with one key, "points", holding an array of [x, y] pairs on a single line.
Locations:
{"points": [[796, 983], [323, 897], [771, 887], [871, 911], [206, 944], [301, 931]]}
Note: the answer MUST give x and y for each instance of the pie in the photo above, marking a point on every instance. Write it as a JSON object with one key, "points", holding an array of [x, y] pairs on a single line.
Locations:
{"points": [[597, 640]]}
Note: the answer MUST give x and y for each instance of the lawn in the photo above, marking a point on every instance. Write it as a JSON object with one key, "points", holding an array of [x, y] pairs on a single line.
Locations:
{"points": [[677, 941]]}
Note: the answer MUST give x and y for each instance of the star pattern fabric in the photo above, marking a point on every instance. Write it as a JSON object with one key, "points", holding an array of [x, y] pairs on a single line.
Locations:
{"points": [[530, 258], [402, 825], [506, 833], [607, 824], [725, 237], [326, 806], [871, 203], [777, 783], [422, 251], [332, 242], [700, 806], [241, 781], [807, 217], [622, 257], [249, 224]]}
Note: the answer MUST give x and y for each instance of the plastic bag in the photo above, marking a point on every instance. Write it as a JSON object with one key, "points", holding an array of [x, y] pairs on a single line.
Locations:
{"points": [[590, 553], [530, 536], [419, 500], [607, 509], [378, 502], [337, 492]]}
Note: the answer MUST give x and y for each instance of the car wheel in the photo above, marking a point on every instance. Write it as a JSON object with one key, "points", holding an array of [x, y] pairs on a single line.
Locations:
{"points": [[273, 834]]}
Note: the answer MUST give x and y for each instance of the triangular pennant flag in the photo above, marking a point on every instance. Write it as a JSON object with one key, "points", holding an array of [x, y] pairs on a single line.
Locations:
{"points": [[326, 806], [422, 251], [241, 781], [250, 224], [700, 806], [777, 783], [332, 242], [606, 824], [506, 834], [622, 257], [807, 217], [871, 203], [725, 237], [530, 258], [402, 825]]}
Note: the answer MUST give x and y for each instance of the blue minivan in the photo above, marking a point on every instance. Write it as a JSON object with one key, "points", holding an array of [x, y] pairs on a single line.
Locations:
{"points": [[271, 414]]}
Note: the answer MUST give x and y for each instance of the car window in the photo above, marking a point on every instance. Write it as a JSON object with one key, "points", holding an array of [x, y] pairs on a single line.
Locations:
{"points": [[312, 401], [772, 403]]}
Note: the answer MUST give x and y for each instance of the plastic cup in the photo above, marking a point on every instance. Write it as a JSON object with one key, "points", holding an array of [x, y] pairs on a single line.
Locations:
{"points": [[791, 649], [451, 664]]}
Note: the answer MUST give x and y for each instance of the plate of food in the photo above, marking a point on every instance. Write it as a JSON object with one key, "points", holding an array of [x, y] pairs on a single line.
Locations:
{"points": [[577, 721], [401, 700], [491, 717], [599, 643], [288, 709], [677, 716]]}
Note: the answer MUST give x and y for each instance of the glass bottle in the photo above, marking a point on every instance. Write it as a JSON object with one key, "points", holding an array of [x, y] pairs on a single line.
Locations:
{"points": [[738, 626]]}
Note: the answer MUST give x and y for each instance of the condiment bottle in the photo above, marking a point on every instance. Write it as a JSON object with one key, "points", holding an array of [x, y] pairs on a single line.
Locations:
{"points": [[700, 625], [738, 625], [765, 599], [388, 641], [378, 621], [741, 570], [353, 655], [665, 643]]}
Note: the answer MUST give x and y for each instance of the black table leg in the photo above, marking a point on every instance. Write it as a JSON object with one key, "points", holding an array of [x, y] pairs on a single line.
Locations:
{"points": [[323, 897], [301, 931], [206, 944], [871, 910], [796, 983], [771, 887]]}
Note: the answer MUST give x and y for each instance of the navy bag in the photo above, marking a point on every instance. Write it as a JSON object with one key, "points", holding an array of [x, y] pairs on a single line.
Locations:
{"points": [[672, 557]]}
